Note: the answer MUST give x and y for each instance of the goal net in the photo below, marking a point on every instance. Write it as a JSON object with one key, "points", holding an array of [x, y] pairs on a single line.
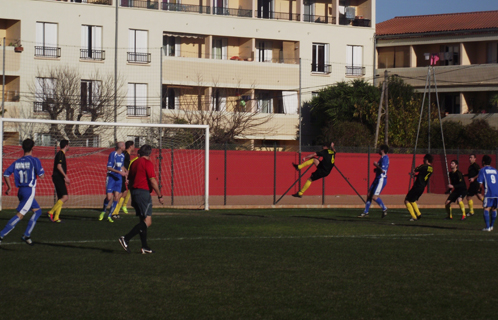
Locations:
{"points": [[180, 156]]}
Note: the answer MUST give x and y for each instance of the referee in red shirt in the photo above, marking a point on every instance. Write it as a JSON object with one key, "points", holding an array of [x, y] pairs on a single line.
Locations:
{"points": [[142, 180]]}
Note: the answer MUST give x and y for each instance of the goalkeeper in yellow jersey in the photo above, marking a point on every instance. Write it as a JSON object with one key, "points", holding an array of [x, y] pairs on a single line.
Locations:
{"points": [[323, 167], [422, 173]]}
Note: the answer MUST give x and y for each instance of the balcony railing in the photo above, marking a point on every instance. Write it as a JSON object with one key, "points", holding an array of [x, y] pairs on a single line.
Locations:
{"points": [[92, 54], [51, 52], [41, 106], [278, 15], [136, 111], [355, 71], [107, 2], [185, 8], [11, 96], [139, 57], [321, 68], [232, 12], [318, 19], [144, 4], [361, 22]]}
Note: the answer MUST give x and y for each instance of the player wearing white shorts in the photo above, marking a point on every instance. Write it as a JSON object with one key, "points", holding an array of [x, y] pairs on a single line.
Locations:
{"points": [[379, 182], [25, 170]]}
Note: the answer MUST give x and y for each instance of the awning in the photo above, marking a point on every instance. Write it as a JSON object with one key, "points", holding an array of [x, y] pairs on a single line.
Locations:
{"points": [[183, 35]]}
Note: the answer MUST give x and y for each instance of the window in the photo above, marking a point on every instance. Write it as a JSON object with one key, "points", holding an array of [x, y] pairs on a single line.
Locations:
{"points": [[354, 61], [220, 48], [264, 51], [265, 9], [137, 140], [170, 99], [492, 52], [92, 141], [46, 40], [218, 100], [171, 46], [220, 7], [309, 11], [137, 100], [320, 58], [394, 57], [44, 94], [91, 43], [138, 46], [265, 102], [90, 95], [43, 139], [451, 55]]}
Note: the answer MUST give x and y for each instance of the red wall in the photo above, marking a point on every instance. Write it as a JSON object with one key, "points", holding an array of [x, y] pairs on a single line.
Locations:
{"points": [[248, 172]]}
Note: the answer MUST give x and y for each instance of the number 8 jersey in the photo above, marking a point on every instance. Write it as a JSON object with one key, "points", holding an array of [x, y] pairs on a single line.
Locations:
{"points": [[25, 170], [488, 176]]}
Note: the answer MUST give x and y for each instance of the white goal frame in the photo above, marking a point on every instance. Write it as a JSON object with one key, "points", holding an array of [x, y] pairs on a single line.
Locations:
{"points": [[113, 124]]}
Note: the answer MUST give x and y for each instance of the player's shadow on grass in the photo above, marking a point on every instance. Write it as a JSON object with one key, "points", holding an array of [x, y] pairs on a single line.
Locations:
{"points": [[75, 247]]}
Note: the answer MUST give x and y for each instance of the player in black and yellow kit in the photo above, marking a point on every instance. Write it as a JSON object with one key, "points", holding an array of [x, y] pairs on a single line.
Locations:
{"points": [[323, 167], [458, 192], [422, 173], [474, 186], [125, 194], [59, 178]]}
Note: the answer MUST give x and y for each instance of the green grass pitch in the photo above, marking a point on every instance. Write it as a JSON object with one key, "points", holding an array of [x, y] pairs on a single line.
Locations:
{"points": [[252, 264]]}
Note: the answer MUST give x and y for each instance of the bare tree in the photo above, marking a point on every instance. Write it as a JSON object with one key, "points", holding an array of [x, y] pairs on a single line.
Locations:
{"points": [[227, 114], [61, 93]]}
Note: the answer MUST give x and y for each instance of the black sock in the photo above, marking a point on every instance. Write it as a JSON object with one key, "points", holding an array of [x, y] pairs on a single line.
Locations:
{"points": [[134, 231], [143, 235]]}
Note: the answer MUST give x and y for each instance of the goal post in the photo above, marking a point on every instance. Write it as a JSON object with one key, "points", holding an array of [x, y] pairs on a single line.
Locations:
{"points": [[180, 156]]}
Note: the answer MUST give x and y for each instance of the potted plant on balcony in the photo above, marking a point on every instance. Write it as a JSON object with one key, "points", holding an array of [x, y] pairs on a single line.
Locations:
{"points": [[17, 46]]}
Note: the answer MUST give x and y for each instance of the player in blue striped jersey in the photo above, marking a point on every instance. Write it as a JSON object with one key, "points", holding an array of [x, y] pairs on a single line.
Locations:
{"points": [[379, 182], [488, 178], [25, 170], [115, 173]]}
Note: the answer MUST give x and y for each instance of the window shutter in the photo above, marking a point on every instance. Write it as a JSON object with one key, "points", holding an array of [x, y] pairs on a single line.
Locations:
{"points": [[39, 34], [224, 49], [357, 56], [178, 41], [141, 41], [131, 94], [84, 37], [97, 38], [131, 40], [268, 51], [349, 56], [141, 90], [51, 35]]}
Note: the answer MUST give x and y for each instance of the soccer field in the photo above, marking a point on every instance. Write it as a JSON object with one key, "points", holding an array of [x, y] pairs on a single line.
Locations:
{"points": [[252, 264]]}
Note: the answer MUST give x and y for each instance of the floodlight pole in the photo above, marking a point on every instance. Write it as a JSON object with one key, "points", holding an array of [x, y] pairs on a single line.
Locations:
{"points": [[116, 74], [3, 82]]}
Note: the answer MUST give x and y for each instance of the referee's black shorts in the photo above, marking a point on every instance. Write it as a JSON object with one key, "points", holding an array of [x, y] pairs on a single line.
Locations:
{"points": [[457, 193], [60, 186], [474, 188], [414, 194], [141, 202]]}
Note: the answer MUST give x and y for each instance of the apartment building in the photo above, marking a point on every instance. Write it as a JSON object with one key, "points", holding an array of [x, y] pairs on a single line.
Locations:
{"points": [[173, 57], [464, 47]]}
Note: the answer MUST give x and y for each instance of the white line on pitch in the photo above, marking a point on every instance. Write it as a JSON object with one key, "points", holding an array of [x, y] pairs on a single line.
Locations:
{"points": [[389, 236]]}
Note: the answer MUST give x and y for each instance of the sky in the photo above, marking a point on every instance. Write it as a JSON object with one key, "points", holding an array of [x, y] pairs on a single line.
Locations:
{"points": [[388, 9]]}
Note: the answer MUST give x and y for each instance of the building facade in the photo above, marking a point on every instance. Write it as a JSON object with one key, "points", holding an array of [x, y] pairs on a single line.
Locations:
{"points": [[170, 59], [463, 48]]}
